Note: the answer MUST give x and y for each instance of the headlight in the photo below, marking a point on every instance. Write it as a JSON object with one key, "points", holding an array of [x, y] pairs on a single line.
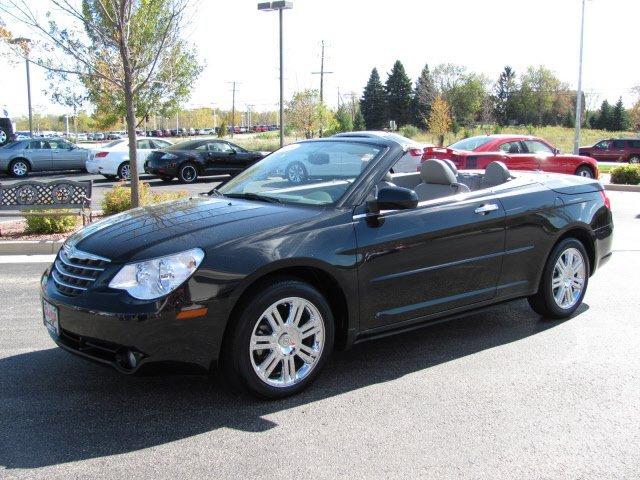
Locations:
{"points": [[155, 278], [168, 156]]}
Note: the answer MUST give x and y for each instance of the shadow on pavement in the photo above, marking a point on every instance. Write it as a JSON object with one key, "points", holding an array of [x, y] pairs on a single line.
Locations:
{"points": [[56, 408]]}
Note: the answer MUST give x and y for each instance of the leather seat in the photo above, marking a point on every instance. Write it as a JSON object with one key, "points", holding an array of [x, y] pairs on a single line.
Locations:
{"points": [[496, 173], [438, 181]]}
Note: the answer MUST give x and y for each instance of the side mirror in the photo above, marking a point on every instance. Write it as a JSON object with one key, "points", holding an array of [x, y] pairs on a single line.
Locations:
{"points": [[393, 198], [556, 151]]}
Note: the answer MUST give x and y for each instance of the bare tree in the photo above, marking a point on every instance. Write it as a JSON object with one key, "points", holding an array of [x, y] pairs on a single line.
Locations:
{"points": [[121, 49]]}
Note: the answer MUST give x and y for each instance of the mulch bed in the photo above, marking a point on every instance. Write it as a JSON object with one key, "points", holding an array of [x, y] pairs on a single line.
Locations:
{"points": [[16, 230]]}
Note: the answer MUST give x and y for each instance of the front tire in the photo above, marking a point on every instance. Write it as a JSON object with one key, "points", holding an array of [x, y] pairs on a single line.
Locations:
{"points": [[564, 281], [166, 179], [19, 168], [188, 173], [584, 171], [279, 342]]}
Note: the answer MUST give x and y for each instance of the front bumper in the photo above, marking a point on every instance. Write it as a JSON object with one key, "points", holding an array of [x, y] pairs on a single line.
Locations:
{"points": [[110, 326]]}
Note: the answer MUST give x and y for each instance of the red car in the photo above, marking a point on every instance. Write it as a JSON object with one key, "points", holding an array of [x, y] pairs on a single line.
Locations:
{"points": [[518, 152], [614, 150]]}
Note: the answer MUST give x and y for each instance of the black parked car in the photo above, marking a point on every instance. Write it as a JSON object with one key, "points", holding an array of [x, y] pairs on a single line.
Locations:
{"points": [[191, 159], [6, 131], [266, 276]]}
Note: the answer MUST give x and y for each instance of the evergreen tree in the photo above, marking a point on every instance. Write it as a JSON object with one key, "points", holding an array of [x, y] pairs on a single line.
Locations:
{"points": [[603, 122], [504, 91], [619, 117], [358, 121], [398, 90], [343, 117], [423, 96], [373, 103]]}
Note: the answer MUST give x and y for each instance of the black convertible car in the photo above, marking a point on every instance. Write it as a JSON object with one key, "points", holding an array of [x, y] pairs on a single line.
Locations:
{"points": [[268, 275], [191, 159]]}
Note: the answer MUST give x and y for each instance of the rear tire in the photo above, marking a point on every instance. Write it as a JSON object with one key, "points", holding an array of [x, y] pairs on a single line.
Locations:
{"points": [[19, 168], [561, 290], [188, 173], [124, 171], [166, 179], [297, 341], [635, 159], [584, 171], [4, 136], [296, 173]]}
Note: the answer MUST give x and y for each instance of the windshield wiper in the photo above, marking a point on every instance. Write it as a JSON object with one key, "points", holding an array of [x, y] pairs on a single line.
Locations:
{"points": [[253, 196]]}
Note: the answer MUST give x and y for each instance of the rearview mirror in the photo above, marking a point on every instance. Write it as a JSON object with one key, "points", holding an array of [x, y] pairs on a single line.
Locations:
{"points": [[393, 198]]}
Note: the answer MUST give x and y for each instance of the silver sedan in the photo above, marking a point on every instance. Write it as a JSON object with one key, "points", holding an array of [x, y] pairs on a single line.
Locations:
{"points": [[41, 154]]}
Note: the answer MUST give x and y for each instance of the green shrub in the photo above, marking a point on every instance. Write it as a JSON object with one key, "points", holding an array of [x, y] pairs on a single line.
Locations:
{"points": [[530, 129], [466, 133], [118, 199], [497, 129], [46, 224], [626, 174], [409, 131]]}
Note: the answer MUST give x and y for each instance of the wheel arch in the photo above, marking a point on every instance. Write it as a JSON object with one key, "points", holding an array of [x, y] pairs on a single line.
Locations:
{"points": [[24, 159], [594, 170], [584, 236], [316, 276]]}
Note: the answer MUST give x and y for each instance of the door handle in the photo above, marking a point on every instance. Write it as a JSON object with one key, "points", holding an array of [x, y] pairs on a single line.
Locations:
{"points": [[486, 208]]}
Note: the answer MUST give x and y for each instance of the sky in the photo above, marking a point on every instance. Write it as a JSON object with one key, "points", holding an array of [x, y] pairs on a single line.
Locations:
{"points": [[238, 43]]}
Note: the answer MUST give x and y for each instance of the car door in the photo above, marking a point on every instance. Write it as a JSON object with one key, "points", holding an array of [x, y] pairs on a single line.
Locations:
{"points": [[143, 149], [517, 157], [38, 153], [600, 150], [222, 158], [442, 256], [616, 152], [64, 156], [545, 156]]}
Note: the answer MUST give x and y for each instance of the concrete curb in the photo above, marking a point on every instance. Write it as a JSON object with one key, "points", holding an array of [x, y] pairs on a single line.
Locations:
{"points": [[614, 187], [30, 247]]}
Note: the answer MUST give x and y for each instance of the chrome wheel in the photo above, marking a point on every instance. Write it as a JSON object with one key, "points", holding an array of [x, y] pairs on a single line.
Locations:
{"points": [[19, 169], [296, 173], [3, 136], [287, 342], [633, 159], [568, 279], [188, 173], [125, 171], [584, 172]]}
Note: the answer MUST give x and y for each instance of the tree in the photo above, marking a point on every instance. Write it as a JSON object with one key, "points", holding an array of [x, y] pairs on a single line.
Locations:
{"points": [[439, 119], [358, 121], [503, 92], [129, 54], [619, 117], [398, 92], [343, 119], [423, 96], [467, 98], [539, 89], [373, 103], [603, 120], [307, 115]]}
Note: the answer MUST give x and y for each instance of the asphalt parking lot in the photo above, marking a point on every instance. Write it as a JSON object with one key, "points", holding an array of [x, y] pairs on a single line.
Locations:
{"points": [[499, 394]]}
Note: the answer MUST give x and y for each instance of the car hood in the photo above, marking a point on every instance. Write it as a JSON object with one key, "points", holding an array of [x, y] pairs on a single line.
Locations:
{"points": [[170, 227]]}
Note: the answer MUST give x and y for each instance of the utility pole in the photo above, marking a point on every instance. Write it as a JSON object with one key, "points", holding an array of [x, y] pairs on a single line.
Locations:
{"points": [[322, 73], [249, 111], [233, 107], [576, 139]]}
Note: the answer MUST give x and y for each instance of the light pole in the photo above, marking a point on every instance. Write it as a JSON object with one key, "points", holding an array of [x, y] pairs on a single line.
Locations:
{"points": [[279, 6], [24, 43], [576, 138]]}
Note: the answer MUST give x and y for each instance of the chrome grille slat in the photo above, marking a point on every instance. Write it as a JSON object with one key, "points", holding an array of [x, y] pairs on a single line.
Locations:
{"points": [[75, 271]]}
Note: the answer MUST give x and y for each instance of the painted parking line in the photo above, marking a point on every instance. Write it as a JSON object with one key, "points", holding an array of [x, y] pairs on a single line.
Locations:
{"points": [[27, 258]]}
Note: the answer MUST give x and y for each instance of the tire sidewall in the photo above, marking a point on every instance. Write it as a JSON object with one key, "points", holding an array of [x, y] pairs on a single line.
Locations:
{"points": [[585, 168], [547, 292], [237, 358], [632, 158], [120, 168]]}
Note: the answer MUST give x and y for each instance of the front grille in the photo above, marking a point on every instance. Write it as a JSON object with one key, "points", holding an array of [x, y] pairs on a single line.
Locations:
{"points": [[75, 271]]}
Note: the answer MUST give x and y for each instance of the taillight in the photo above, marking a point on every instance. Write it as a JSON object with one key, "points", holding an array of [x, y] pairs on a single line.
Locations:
{"points": [[415, 152], [605, 199], [101, 154]]}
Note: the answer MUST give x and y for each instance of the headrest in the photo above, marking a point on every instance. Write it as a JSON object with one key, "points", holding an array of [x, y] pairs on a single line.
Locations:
{"points": [[436, 171], [451, 165], [496, 173]]}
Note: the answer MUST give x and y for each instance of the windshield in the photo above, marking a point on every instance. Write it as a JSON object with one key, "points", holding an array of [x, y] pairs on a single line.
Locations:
{"points": [[471, 143], [311, 173]]}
